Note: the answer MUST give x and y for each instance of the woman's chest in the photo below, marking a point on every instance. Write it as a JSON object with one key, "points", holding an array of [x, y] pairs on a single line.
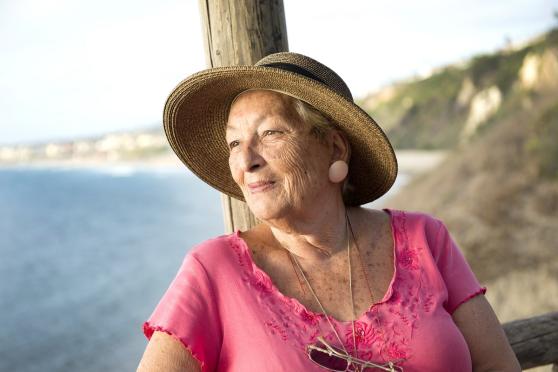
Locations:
{"points": [[344, 289], [409, 322], [413, 328], [346, 286]]}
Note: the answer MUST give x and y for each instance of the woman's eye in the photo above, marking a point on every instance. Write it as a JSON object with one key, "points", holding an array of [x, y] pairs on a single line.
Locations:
{"points": [[270, 132], [233, 144]]}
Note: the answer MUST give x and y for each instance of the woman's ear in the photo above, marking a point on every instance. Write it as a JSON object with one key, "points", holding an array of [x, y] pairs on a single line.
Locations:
{"points": [[340, 146]]}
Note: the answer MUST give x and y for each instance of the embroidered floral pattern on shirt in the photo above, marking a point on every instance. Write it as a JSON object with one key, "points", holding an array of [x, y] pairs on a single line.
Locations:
{"points": [[276, 329], [262, 282], [306, 316], [238, 252], [364, 334], [375, 338], [395, 352], [408, 259]]}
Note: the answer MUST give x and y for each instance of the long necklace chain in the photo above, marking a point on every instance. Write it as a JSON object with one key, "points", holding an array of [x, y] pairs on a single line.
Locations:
{"points": [[293, 258], [360, 260]]}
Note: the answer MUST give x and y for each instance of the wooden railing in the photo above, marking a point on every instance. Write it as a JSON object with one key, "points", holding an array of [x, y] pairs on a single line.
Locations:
{"points": [[535, 340]]}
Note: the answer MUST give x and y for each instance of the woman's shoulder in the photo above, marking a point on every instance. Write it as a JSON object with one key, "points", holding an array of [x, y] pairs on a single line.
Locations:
{"points": [[414, 217], [415, 222], [215, 250], [422, 228], [408, 217], [407, 222]]}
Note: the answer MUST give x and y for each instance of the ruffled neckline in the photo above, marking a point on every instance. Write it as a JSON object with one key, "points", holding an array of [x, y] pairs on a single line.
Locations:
{"points": [[265, 283]]}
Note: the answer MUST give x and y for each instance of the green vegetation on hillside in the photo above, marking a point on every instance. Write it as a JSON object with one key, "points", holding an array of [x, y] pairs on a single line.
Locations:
{"points": [[431, 113]]}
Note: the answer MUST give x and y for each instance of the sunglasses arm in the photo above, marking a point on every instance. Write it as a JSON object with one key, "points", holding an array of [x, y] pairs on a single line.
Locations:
{"points": [[390, 366]]}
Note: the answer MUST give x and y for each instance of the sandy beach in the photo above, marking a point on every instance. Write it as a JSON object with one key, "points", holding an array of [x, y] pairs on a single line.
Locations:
{"points": [[410, 162]]}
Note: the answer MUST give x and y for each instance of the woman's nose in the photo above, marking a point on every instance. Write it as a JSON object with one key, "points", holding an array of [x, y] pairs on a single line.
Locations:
{"points": [[250, 158]]}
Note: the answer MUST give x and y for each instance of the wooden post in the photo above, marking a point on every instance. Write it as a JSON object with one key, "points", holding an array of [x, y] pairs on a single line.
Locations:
{"points": [[241, 32]]}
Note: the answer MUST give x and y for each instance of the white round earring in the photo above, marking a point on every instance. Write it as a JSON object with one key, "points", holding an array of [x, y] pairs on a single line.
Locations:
{"points": [[338, 171]]}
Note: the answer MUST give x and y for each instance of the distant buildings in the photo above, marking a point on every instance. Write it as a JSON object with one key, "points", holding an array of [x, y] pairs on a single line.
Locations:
{"points": [[114, 146]]}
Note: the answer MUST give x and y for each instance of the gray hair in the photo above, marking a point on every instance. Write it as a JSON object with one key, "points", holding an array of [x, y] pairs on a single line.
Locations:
{"points": [[320, 124]]}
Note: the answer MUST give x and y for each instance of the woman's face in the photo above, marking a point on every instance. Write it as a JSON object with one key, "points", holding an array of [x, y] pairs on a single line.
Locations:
{"points": [[275, 160]]}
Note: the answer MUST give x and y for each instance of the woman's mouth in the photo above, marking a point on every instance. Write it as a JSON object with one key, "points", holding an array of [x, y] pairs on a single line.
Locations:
{"points": [[260, 186]]}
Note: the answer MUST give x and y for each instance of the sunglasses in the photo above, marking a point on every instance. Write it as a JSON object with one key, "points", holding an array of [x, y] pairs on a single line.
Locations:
{"points": [[333, 359]]}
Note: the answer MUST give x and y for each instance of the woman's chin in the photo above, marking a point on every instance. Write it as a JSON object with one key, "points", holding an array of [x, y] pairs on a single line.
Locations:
{"points": [[266, 208]]}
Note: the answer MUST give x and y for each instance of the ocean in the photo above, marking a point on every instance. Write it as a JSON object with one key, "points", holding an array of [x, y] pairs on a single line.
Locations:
{"points": [[86, 254]]}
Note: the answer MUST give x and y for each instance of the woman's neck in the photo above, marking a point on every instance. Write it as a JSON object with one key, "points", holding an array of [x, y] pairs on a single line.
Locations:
{"points": [[314, 236]]}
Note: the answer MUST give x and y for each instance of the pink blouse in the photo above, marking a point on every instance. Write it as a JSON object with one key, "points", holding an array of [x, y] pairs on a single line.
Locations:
{"points": [[230, 315]]}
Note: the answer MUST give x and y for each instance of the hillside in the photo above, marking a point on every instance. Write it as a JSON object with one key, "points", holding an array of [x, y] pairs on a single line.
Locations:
{"points": [[498, 189], [451, 105]]}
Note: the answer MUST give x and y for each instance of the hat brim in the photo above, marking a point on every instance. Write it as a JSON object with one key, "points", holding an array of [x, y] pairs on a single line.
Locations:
{"points": [[196, 112]]}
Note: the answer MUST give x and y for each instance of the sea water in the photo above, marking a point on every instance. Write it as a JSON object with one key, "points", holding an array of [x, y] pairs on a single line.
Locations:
{"points": [[86, 254]]}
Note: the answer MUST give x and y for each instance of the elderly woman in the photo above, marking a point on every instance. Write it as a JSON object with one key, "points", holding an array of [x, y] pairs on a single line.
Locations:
{"points": [[321, 283]]}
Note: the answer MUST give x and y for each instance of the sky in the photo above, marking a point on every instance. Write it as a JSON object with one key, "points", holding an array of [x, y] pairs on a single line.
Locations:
{"points": [[76, 68]]}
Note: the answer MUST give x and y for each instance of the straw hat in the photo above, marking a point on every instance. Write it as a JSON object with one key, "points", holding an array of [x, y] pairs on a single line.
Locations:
{"points": [[196, 113]]}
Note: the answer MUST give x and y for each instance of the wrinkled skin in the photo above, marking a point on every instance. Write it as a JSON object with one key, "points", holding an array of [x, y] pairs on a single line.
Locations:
{"points": [[269, 142]]}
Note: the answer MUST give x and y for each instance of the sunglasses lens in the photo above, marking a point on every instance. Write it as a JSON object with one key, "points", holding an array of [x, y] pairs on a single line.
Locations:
{"points": [[331, 362]]}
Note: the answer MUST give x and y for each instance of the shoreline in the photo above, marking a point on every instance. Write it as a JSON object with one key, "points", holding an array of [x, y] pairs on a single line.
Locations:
{"points": [[169, 162], [410, 162]]}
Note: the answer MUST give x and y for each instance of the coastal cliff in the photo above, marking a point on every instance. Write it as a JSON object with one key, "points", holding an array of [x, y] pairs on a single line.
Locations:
{"points": [[497, 189]]}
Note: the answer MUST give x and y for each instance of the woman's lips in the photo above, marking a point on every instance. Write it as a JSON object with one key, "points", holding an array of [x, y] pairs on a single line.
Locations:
{"points": [[260, 186]]}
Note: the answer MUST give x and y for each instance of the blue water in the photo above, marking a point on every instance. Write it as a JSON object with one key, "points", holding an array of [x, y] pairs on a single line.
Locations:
{"points": [[85, 255]]}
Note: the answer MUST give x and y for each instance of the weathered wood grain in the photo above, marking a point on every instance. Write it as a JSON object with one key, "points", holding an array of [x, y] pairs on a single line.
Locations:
{"points": [[534, 340]]}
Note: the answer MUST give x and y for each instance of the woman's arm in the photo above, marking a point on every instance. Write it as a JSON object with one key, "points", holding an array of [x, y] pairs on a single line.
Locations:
{"points": [[489, 347], [165, 353]]}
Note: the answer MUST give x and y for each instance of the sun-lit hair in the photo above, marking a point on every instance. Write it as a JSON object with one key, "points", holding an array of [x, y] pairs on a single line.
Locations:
{"points": [[320, 124]]}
